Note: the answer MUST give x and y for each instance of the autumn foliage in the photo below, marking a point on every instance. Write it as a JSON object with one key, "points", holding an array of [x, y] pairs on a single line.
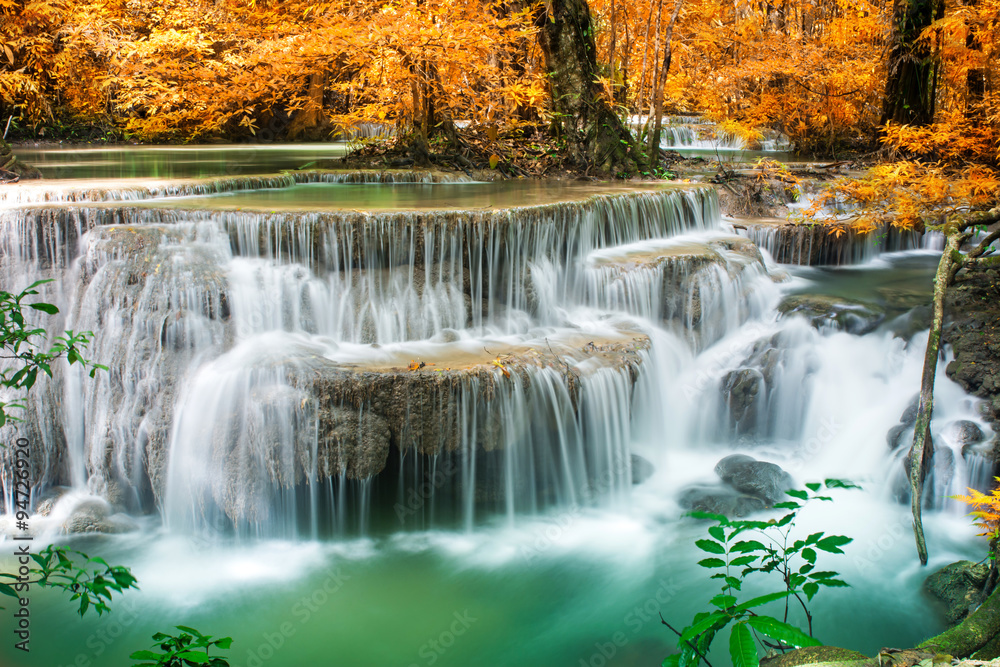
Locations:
{"points": [[814, 70]]}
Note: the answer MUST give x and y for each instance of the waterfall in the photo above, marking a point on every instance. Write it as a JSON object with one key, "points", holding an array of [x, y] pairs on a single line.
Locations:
{"points": [[304, 371]]}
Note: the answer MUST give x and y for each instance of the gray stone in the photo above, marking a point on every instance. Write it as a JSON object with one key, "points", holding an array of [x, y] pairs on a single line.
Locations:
{"points": [[964, 432], [909, 416], [744, 389], [892, 438], [93, 516], [642, 469], [957, 588], [756, 478], [830, 312], [720, 500]]}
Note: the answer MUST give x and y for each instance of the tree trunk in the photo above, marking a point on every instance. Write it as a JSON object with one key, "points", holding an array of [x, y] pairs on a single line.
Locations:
{"points": [[654, 140], [596, 139], [923, 449], [911, 79]]}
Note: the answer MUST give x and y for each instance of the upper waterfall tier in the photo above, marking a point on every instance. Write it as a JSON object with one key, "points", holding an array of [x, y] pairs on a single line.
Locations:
{"points": [[83, 191]]}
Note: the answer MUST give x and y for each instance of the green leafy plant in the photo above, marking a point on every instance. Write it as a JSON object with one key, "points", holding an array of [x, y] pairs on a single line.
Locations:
{"points": [[188, 648], [92, 583], [740, 548], [19, 342]]}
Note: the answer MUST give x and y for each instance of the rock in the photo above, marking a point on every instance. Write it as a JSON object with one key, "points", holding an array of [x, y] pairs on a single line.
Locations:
{"points": [[811, 655], [93, 516], [642, 469], [744, 389], [964, 432], [837, 313], [756, 478], [892, 438], [957, 588], [49, 500], [909, 416], [720, 500]]}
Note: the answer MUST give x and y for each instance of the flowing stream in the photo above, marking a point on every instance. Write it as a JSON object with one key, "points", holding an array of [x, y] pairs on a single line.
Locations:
{"points": [[391, 419]]}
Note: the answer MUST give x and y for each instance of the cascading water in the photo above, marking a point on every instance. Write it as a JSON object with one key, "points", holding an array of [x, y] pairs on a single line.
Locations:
{"points": [[435, 395]]}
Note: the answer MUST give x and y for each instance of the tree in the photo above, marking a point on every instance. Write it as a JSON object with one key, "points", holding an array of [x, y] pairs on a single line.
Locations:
{"points": [[912, 70], [595, 136]]}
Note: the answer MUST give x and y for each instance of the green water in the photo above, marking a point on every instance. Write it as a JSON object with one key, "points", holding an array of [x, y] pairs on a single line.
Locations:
{"points": [[569, 591], [117, 162], [406, 196]]}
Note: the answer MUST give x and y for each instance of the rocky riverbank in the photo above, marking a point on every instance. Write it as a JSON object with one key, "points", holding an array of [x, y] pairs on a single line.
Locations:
{"points": [[972, 330]]}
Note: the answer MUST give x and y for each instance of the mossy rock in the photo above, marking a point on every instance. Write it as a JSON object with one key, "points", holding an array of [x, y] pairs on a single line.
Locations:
{"points": [[818, 656]]}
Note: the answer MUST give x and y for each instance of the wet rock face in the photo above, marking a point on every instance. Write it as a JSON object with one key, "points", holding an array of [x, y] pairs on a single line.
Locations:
{"points": [[94, 516], [720, 500], [839, 314], [957, 589], [745, 390], [973, 330], [964, 433], [756, 478], [642, 469]]}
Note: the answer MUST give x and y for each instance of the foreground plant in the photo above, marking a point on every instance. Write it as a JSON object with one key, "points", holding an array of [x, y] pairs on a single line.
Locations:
{"points": [[19, 343], [92, 583], [740, 548], [188, 648]]}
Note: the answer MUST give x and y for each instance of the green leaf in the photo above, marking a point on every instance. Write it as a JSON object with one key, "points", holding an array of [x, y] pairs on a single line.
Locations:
{"points": [[833, 583], [813, 486], [711, 546], [798, 493], [709, 516], [840, 484], [723, 601], [763, 599], [785, 520], [809, 555], [832, 543], [224, 643], [692, 631], [44, 307], [718, 533], [747, 545], [811, 589], [144, 655], [787, 506], [197, 657], [741, 647], [7, 589], [712, 562], [672, 661], [783, 632], [744, 560], [192, 631]]}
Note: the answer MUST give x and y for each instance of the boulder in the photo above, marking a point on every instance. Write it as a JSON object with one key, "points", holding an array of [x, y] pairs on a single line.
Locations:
{"points": [[642, 469], [895, 434], [761, 479], [957, 588], [744, 389], [93, 516], [837, 313], [720, 500], [964, 432]]}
